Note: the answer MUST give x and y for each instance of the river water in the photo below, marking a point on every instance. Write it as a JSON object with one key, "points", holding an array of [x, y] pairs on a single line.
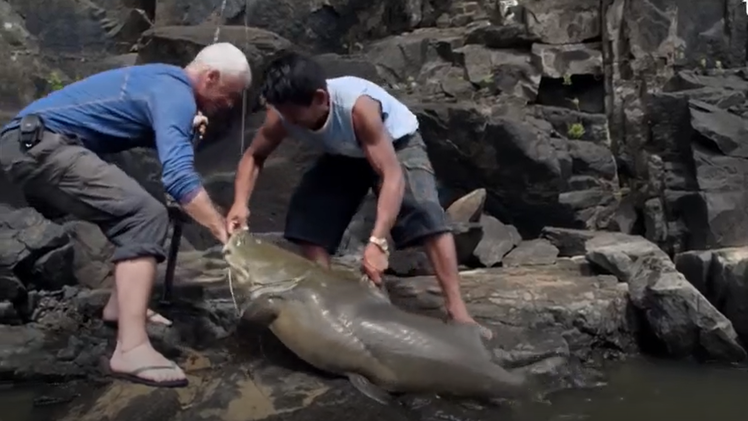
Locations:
{"points": [[641, 390]]}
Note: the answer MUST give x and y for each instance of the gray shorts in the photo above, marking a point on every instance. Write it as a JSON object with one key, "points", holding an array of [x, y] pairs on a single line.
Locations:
{"points": [[332, 190], [60, 173]]}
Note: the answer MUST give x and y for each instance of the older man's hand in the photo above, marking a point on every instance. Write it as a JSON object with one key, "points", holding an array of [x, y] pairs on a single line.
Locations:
{"points": [[200, 122]]}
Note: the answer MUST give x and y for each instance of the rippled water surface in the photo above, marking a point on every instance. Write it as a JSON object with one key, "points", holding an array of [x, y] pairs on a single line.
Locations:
{"points": [[636, 391], [653, 391]]}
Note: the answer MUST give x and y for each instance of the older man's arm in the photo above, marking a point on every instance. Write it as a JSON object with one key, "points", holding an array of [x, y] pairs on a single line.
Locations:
{"points": [[173, 111]]}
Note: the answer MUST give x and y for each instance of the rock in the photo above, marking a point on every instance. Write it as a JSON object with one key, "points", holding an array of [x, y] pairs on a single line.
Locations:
{"points": [[11, 288], [8, 314], [561, 118], [468, 208], [559, 61], [570, 242], [508, 72], [336, 66], [695, 194], [498, 240], [563, 21], [36, 250], [522, 169], [505, 298], [316, 27], [680, 317], [25, 72], [531, 253], [410, 262], [696, 267], [423, 61], [92, 254], [720, 276]]}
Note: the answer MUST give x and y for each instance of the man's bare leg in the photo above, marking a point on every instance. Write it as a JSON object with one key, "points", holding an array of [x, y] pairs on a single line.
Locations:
{"points": [[111, 312], [315, 254], [134, 280], [443, 257]]}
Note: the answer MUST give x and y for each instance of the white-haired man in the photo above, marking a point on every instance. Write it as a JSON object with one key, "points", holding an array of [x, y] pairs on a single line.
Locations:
{"points": [[50, 149]]}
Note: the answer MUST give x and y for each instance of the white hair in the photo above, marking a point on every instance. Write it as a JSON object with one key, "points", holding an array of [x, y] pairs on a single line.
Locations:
{"points": [[226, 59]]}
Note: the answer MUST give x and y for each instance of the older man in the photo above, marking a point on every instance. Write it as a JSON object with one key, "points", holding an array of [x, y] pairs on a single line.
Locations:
{"points": [[50, 150]]}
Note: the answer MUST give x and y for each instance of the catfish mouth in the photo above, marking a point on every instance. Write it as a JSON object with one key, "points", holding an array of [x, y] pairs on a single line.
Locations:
{"points": [[245, 268]]}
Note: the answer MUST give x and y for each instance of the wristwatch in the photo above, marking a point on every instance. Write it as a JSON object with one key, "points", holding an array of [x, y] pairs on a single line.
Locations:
{"points": [[381, 243]]}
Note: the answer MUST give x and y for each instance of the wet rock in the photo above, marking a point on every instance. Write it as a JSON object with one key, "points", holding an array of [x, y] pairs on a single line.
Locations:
{"points": [[590, 310], [531, 253], [498, 240], [680, 317]]}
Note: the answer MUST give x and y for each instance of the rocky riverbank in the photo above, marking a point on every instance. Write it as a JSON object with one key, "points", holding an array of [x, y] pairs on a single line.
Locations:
{"points": [[563, 304], [609, 146]]}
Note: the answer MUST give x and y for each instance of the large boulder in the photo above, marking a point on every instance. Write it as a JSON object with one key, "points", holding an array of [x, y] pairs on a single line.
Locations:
{"points": [[698, 135], [681, 319], [653, 135], [526, 168], [721, 276]]}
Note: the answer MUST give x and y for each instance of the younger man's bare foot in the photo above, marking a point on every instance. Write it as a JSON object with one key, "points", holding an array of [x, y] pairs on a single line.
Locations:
{"points": [[145, 365], [464, 318]]}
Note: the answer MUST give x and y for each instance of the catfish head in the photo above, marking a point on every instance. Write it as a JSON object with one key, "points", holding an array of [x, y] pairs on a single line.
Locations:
{"points": [[258, 267]]}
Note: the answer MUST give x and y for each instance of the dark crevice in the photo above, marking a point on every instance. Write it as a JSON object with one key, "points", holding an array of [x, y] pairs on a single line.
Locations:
{"points": [[589, 90]]}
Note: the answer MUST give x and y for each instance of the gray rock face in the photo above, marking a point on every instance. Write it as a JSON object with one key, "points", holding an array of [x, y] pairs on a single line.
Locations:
{"points": [[532, 253], [720, 276], [678, 314]]}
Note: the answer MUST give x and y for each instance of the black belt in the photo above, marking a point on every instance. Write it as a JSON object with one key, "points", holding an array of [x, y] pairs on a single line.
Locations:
{"points": [[403, 141]]}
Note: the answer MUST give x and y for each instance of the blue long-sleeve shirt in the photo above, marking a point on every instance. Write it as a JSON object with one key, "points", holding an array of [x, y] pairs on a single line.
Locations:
{"points": [[128, 107]]}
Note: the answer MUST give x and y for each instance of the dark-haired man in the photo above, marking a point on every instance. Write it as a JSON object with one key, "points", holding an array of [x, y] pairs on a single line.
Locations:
{"points": [[371, 140]]}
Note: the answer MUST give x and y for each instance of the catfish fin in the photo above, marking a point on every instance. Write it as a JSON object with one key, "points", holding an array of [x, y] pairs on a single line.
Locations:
{"points": [[261, 311], [363, 385]]}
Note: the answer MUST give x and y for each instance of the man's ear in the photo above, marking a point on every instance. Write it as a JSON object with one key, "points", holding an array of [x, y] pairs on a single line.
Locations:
{"points": [[320, 97], [213, 76]]}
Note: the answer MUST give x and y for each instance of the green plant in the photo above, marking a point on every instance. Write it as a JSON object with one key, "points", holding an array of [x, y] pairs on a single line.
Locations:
{"points": [[575, 131], [718, 65], [567, 80], [54, 82], [702, 63]]}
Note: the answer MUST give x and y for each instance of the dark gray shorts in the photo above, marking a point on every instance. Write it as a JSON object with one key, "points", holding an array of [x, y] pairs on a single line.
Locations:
{"points": [[332, 190], [60, 173]]}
